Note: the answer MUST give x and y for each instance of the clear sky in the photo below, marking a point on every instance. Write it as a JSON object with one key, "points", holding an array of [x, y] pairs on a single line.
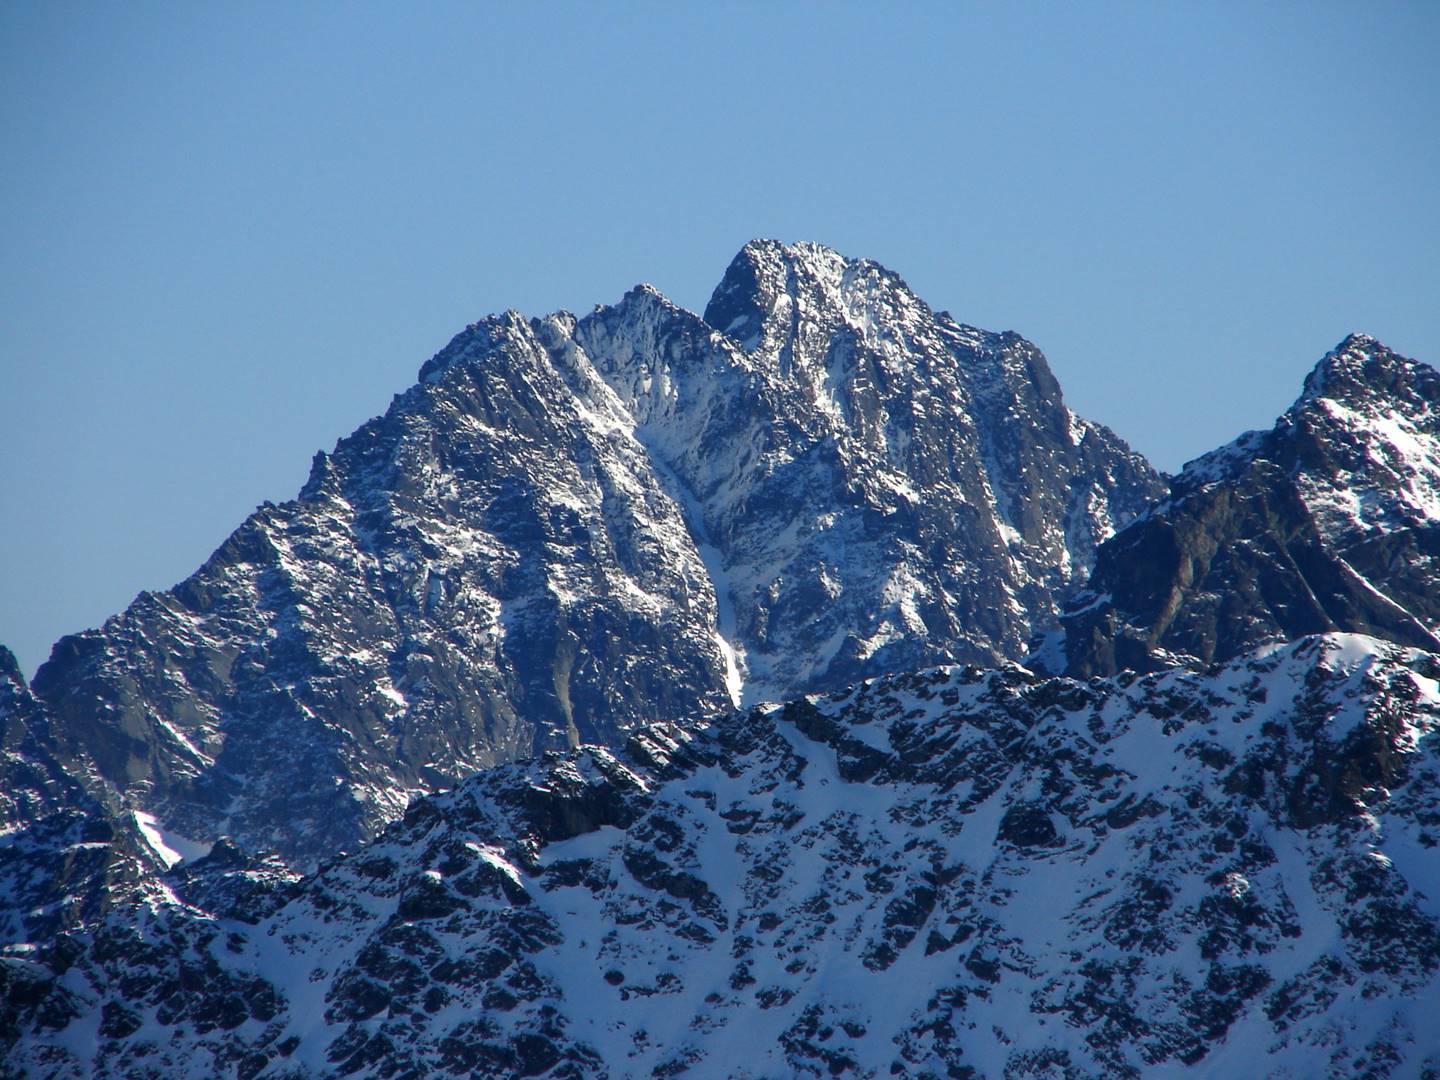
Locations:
{"points": [[232, 232]]}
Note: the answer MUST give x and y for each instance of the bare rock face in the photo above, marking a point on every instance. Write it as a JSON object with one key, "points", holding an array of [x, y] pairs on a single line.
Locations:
{"points": [[953, 872], [571, 527], [581, 543], [932, 495], [36, 782], [65, 856], [1329, 521]]}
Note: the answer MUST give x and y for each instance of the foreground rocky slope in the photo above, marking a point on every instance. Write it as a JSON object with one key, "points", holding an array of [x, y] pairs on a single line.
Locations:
{"points": [[1328, 521], [569, 527], [954, 872]]}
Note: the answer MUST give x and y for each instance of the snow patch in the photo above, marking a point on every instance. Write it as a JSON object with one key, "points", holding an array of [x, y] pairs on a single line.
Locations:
{"points": [[171, 846]]}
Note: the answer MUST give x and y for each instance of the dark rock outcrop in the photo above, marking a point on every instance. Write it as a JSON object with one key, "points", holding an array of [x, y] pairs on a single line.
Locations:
{"points": [[1330, 521], [1232, 871]]}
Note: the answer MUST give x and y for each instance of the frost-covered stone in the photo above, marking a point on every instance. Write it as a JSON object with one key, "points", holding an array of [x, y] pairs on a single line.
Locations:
{"points": [[65, 855], [954, 872]]}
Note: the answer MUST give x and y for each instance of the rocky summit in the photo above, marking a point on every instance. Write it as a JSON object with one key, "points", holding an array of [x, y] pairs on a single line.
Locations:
{"points": [[572, 526], [955, 872], [1328, 521]]}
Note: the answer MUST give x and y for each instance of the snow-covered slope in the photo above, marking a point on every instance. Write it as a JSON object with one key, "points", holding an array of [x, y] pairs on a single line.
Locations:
{"points": [[953, 872], [1328, 521], [569, 527]]}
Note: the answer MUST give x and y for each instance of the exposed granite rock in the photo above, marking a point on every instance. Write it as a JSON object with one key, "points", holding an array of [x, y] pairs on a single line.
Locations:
{"points": [[571, 527]]}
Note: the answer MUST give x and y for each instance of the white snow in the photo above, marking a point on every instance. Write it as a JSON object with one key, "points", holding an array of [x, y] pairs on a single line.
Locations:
{"points": [[797, 870], [171, 846]]}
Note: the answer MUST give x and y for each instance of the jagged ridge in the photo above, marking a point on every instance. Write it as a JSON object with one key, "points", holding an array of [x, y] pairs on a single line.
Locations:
{"points": [[954, 872], [572, 526], [1328, 521]]}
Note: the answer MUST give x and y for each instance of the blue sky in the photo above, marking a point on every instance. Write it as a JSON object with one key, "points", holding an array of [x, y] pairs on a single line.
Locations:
{"points": [[233, 232]]}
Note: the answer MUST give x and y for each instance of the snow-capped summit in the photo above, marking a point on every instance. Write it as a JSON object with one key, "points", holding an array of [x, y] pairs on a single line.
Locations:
{"points": [[1368, 441], [773, 293], [1328, 521], [570, 526], [1360, 366]]}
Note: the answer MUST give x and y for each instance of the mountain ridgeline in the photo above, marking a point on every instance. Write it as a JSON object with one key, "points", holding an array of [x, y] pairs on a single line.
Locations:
{"points": [[468, 760], [1328, 521], [569, 527], [954, 872]]}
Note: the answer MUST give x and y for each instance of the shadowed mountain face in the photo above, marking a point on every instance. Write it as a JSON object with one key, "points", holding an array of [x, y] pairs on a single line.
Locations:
{"points": [[1329, 521], [569, 527], [65, 855], [948, 873]]}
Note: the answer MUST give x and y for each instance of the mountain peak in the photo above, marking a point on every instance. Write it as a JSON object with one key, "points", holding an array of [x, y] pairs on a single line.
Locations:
{"points": [[571, 526], [1324, 522], [10, 667], [1355, 394], [642, 292], [805, 254], [638, 300], [1363, 367], [769, 283]]}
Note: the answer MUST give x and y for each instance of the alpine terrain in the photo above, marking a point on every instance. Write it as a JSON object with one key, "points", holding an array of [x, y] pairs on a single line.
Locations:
{"points": [[949, 873], [569, 527], [799, 688], [1328, 521]]}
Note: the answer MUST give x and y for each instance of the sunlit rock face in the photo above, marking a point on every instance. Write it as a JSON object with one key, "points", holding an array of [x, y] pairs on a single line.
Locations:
{"points": [[569, 527], [948, 873], [1328, 521]]}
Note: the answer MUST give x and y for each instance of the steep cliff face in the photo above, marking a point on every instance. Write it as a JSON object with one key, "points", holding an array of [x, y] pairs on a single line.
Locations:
{"points": [[569, 527], [596, 544], [1328, 521], [36, 782], [65, 855], [490, 566], [935, 495], [953, 872]]}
